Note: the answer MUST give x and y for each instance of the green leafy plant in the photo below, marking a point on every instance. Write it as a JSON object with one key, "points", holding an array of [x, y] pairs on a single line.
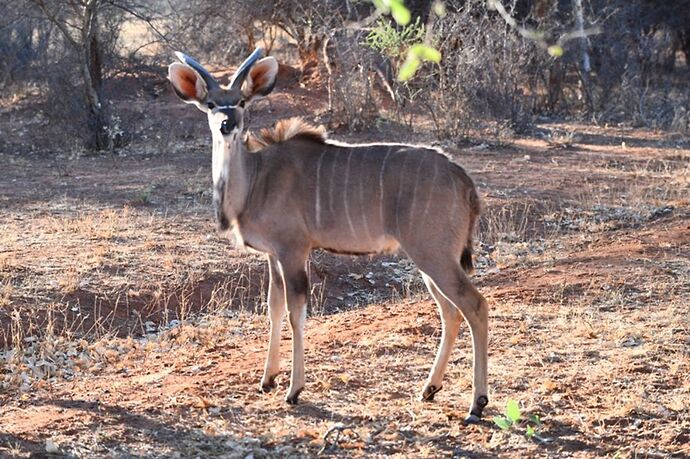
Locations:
{"points": [[415, 56], [513, 418], [393, 41], [411, 37]]}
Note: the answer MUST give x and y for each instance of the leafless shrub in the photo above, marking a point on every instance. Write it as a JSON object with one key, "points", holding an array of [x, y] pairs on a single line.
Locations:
{"points": [[487, 73], [23, 41], [351, 68], [637, 76], [73, 50], [238, 26]]}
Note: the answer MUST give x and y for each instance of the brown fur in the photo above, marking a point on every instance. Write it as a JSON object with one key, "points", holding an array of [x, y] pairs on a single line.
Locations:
{"points": [[284, 130], [301, 193]]}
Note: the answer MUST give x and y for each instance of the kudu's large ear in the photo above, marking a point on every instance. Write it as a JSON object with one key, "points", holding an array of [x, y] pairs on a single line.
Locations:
{"points": [[188, 84], [260, 80]]}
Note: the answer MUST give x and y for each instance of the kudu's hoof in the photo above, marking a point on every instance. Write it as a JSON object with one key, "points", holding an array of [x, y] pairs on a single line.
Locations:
{"points": [[268, 384], [472, 419], [429, 392], [292, 399], [476, 413]]}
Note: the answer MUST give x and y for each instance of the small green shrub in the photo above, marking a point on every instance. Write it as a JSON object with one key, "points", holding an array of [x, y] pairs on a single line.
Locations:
{"points": [[394, 41], [513, 419]]}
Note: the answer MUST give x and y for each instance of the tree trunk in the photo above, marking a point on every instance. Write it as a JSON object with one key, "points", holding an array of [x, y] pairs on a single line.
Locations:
{"points": [[585, 65], [92, 75], [96, 61], [87, 46]]}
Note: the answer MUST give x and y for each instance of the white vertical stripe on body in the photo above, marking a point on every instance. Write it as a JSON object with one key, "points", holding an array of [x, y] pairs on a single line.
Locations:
{"points": [[455, 194], [400, 190], [431, 191], [317, 203], [414, 194], [381, 190], [365, 218], [332, 184], [345, 192]]}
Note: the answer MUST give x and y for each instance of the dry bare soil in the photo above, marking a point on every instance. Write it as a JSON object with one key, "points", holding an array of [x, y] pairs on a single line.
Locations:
{"points": [[131, 329]]}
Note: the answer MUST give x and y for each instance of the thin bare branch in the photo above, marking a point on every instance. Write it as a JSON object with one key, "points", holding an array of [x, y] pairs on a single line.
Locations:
{"points": [[148, 20], [533, 34], [61, 25]]}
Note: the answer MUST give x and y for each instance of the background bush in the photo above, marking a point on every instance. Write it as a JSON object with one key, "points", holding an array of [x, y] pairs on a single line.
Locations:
{"points": [[490, 77]]}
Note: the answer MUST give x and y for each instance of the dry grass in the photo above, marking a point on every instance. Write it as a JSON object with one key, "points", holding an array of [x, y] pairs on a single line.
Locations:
{"points": [[134, 331]]}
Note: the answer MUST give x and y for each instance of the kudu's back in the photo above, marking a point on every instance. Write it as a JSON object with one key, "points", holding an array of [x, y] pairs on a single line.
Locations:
{"points": [[365, 198]]}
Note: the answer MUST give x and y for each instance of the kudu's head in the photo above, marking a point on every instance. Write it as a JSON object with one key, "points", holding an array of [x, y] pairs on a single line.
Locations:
{"points": [[224, 105]]}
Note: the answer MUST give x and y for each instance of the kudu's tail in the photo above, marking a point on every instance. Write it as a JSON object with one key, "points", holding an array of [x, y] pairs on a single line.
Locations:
{"points": [[475, 210]]}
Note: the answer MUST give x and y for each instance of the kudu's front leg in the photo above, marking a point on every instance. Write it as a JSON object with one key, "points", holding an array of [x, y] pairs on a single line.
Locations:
{"points": [[296, 291], [276, 314]]}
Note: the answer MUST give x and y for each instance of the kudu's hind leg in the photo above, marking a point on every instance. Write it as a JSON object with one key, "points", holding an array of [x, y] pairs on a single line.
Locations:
{"points": [[276, 314], [451, 319], [455, 286], [296, 291]]}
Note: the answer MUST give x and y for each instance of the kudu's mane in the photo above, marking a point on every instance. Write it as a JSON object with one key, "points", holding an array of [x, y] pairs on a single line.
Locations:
{"points": [[284, 130]]}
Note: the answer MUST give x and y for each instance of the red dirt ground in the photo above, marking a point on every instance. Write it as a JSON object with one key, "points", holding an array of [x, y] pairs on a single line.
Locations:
{"points": [[582, 253]]}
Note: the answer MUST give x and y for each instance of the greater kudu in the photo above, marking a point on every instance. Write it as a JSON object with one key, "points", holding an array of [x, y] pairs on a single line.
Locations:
{"points": [[302, 192]]}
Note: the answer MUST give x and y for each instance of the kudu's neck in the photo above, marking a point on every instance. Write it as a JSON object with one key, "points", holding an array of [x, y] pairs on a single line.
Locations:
{"points": [[233, 173]]}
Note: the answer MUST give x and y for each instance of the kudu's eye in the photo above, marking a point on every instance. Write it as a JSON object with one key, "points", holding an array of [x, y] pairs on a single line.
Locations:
{"points": [[226, 126], [211, 105]]}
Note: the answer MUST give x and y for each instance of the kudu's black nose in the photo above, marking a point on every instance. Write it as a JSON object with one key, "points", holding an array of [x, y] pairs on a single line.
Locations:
{"points": [[227, 126]]}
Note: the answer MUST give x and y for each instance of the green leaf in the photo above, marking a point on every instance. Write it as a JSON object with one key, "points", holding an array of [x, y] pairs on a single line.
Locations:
{"points": [[535, 419], [408, 69], [425, 53], [502, 422], [397, 9], [536, 35], [555, 50], [400, 13], [513, 411], [530, 432], [382, 6]]}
